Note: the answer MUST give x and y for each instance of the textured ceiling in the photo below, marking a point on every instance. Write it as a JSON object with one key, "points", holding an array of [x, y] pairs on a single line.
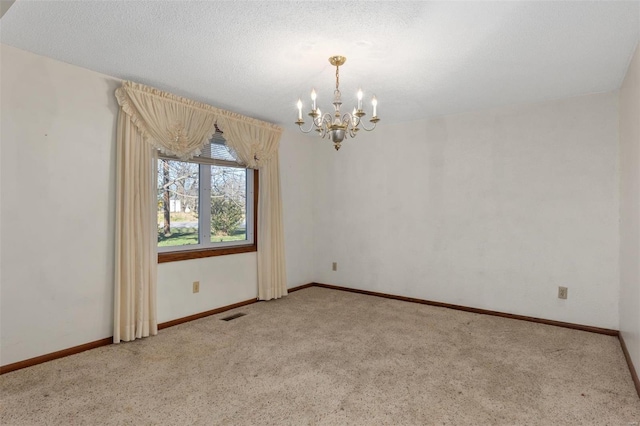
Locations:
{"points": [[420, 59]]}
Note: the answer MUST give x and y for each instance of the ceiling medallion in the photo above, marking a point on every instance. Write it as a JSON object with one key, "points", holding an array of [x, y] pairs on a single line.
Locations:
{"points": [[337, 126]]}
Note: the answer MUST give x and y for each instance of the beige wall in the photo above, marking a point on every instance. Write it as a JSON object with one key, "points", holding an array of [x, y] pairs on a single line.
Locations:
{"points": [[57, 214], [492, 209], [630, 209], [57, 217]]}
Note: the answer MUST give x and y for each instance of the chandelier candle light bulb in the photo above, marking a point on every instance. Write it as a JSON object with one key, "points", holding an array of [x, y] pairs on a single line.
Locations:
{"points": [[337, 126]]}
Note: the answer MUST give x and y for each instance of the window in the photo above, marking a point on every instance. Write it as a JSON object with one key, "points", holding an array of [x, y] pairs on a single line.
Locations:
{"points": [[206, 206]]}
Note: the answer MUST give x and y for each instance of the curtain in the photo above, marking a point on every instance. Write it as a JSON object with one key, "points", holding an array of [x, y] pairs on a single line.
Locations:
{"points": [[149, 121], [256, 145], [136, 258], [174, 125], [272, 275]]}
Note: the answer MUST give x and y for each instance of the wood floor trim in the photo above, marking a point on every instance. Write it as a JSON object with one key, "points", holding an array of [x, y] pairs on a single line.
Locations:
{"points": [[581, 327], [632, 369], [300, 287], [221, 309], [205, 314], [55, 355], [108, 340]]}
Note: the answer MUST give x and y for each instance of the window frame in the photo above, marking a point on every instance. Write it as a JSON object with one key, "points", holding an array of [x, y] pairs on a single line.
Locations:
{"points": [[179, 253]]}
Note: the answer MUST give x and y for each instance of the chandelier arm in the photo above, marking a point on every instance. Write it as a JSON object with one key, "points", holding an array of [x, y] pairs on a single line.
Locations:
{"points": [[369, 129], [310, 128], [327, 118], [347, 120]]}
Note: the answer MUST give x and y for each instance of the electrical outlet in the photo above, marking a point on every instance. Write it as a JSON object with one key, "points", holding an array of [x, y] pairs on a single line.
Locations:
{"points": [[196, 286], [563, 292], [334, 266]]}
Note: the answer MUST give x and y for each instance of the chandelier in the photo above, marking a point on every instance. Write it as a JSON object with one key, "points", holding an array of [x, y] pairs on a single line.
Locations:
{"points": [[337, 126]]}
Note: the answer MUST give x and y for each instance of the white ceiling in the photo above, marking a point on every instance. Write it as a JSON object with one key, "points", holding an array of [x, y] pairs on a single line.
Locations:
{"points": [[420, 59]]}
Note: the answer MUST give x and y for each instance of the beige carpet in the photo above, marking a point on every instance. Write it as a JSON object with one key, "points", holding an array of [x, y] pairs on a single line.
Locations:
{"points": [[329, 357]]}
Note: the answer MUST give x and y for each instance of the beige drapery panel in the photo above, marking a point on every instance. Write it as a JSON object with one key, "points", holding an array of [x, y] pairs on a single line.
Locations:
{"points": [[152, 120], [136, 235], [256, 146]]}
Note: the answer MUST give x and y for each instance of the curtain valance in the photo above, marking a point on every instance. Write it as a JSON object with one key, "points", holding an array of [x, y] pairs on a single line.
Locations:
{"points": [[181, 127]]}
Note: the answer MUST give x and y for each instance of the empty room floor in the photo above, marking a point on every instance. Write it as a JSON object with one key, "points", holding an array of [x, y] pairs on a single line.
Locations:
{"points": [[321, 356]]}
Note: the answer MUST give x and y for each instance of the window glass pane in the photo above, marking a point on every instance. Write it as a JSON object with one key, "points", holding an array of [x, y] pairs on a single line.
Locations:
{"points": [[228, 204], [177, 203], [217, 149]]}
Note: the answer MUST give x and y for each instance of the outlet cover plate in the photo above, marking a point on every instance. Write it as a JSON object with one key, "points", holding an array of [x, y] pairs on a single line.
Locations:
{"points": [[563, 292]]}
